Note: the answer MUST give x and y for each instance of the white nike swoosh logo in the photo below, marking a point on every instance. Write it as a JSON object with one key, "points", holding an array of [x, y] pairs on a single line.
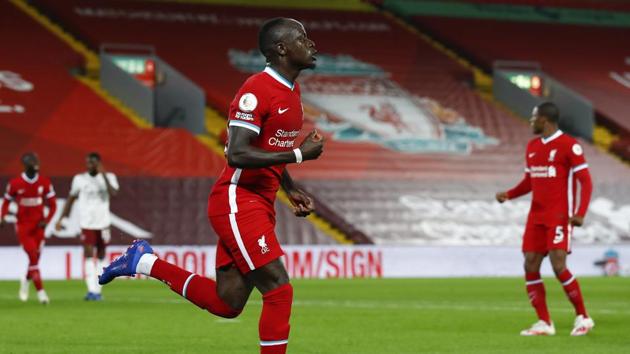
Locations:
{"points": [[280, 110], [532, 154]]}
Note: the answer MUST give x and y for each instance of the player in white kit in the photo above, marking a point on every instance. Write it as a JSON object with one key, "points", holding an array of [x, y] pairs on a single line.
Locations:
{"points": [[93, 189]]}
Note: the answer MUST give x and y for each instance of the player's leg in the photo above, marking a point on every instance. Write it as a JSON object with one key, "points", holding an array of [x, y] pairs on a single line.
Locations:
{"points": [[88, 238], [272, 281], [534, 250], [224, 297], [202, 291], [583, 324], [33, 242], [251, 240], [535, 286], [23, 239], [102, 240]]}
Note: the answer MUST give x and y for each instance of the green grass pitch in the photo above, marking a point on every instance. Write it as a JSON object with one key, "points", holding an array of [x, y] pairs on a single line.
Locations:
{"points": [[474, 315]]}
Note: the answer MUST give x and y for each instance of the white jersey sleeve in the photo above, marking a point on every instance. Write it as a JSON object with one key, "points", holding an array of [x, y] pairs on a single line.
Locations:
{"points": [[75, 189], [113, 181]]}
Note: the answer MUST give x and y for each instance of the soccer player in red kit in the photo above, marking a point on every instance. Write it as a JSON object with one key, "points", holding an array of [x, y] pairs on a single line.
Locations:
{"points": [[554, 163], [30, 191], [265, 119]]}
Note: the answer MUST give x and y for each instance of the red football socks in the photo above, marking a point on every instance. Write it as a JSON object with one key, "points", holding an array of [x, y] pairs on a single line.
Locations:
{"points": [[572, 289], [199, 290], [536, 293], [273, 326], [274, 320], [33, 270]]}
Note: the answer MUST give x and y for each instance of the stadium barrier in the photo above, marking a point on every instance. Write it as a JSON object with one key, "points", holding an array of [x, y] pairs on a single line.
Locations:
{"points": [[322, 262], [523, 85], [155, 90]]}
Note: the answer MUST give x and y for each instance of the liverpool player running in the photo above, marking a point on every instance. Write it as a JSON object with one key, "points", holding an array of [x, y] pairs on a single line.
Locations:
{"points": [[30, 191], [553, 164], [265, 118], [93, 189]]}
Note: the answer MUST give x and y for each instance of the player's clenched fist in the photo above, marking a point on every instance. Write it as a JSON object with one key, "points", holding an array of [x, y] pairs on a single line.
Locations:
{"points": [[312, 146], [502, 197]]}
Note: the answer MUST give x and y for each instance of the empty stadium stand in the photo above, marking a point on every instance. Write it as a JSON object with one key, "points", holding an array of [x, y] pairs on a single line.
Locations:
{"points": [[610, 5], [372, 187], [586, 65], [165, 173]]}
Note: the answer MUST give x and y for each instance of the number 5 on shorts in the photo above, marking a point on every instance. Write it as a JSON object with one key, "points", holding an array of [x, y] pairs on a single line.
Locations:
{"points": [[559, 235]]}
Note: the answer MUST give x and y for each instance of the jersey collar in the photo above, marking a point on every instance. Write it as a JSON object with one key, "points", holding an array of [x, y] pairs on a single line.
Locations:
{"points": [[28, 180], [269, 70], [554, 136]]}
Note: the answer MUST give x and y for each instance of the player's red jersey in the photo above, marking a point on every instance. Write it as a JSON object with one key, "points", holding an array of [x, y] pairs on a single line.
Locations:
{"points": [[270, 106], [551, 164], [29, 195]]}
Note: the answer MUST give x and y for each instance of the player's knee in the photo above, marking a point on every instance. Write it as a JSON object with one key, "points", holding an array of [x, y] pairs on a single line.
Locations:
{"points": [[531, 265], [231, 313], [236, 301], [558, 268]]}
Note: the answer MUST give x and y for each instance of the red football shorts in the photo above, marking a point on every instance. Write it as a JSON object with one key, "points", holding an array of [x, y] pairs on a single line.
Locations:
{"points": [[540, 238], [98, 238], [30, 236], [246, 239]]}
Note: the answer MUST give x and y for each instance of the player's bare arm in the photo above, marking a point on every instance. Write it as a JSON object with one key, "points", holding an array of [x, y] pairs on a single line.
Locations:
{"points": [[577, 220], [520, 189], [110, 190], [241, 154], [302, 203], [66, 211], [501, 197]]}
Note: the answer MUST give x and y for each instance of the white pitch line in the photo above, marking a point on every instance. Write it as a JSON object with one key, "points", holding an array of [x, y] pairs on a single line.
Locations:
{"points": [[354, 304], [227, 320]]}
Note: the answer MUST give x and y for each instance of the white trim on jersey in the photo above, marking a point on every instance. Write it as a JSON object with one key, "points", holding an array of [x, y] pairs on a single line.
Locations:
{"points": [[569, 281], [28, 180], [569, 236], [239, 241], [269, 70], [7, 196], [268, 343], [185, 288], [570, 193], [580, 167], [232, 190], [571, 211], [527, 170], [250, 126], [553, 136], [233, 210]]}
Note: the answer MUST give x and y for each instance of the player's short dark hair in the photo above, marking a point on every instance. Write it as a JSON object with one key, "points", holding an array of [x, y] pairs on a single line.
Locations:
{"points": [[27, 155], [94, 155], [550, 111], [269, 35]]}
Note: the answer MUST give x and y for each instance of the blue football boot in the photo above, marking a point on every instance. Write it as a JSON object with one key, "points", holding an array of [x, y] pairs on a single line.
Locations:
{"points": [[126, 264]]}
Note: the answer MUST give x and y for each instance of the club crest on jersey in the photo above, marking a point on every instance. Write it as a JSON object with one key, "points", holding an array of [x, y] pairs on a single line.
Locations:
{"points": [[40, 190], [248, 102], [263, 245], [552, 154], [577, 149]]}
